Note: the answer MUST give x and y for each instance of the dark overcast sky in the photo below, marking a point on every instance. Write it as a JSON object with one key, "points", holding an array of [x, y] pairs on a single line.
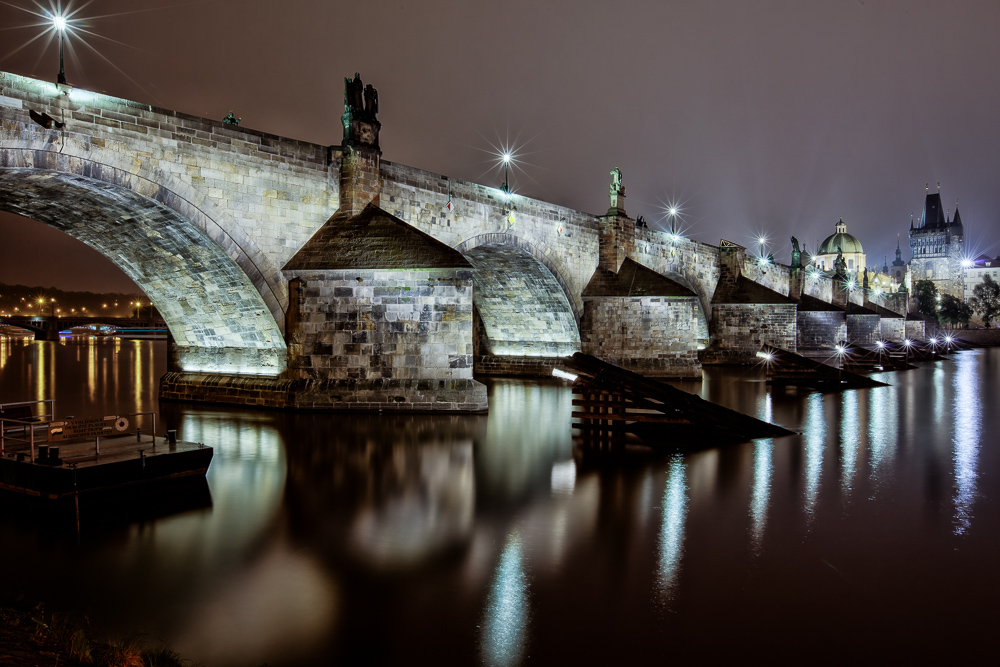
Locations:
{"points": [[757, 116]]}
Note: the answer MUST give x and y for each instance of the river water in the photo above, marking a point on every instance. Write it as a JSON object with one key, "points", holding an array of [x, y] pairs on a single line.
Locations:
{"points": [[344, 539]]}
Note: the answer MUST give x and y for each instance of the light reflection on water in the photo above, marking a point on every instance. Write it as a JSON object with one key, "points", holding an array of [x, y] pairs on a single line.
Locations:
{"points": [[672, 527], [883, 411], [967, 409], [506, 621], [850, 441], [373, 539], [762, 470], [815, 439]]}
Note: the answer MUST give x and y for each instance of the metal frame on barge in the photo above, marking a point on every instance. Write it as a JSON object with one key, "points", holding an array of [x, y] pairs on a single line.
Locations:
{"points": [[106, 459]]}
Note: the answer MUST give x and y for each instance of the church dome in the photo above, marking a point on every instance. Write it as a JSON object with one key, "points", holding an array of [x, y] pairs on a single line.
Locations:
{"points": [[840, 239]]}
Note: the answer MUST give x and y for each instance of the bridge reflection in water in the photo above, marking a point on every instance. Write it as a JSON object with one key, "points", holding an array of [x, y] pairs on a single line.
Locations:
{"points": [[459, 539]]}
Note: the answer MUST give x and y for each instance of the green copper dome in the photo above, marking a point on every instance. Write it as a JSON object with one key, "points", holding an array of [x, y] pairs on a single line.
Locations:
{"points": [[840, 239]]}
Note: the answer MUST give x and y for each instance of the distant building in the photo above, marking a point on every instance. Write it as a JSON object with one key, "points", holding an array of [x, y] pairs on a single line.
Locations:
{"points": [[842, 242], [980, 266], [936, 247], [878, 283]]}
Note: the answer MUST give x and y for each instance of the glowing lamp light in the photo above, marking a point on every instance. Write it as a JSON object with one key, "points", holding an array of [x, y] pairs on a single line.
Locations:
{"points": [[948, 339], [933, 341], [59, 22], [506, 158], [880, 344], [839, 349], [673, 210], [967, 263], [564, 375], [766, 356], [907, 342]]}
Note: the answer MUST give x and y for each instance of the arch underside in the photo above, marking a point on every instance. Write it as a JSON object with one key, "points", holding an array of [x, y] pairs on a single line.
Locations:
{"points": [[524, 310], [702, 334], [216, 316]]}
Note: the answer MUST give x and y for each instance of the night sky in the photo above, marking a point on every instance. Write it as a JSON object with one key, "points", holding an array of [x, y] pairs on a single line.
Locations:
{"points": [[773, 117]]}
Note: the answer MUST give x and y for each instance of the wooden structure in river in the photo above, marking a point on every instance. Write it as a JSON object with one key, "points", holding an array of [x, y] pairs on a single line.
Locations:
{"points": [[786, 368], [613, 404]]}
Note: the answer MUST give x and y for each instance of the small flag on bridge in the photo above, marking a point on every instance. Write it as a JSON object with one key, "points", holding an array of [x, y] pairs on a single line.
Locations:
{"points": [[449, 206]]}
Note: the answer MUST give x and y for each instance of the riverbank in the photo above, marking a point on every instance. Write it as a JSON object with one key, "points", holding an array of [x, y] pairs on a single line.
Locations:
{"points": [[40, 639]]}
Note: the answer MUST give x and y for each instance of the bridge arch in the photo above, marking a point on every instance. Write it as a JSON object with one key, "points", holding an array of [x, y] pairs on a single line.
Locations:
{"points": [[542, 254], [142, 178], [219, 320], [521, 298]]}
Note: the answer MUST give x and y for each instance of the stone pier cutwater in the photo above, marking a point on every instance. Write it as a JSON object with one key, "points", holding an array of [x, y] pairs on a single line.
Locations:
{"points": [[299, 275]]}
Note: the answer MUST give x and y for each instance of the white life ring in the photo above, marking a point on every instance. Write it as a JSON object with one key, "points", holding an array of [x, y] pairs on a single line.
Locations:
{"points": [[121, 424]]}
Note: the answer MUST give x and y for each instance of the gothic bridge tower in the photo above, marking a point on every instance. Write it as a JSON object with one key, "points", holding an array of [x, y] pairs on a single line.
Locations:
{"points": [[936, 246]]}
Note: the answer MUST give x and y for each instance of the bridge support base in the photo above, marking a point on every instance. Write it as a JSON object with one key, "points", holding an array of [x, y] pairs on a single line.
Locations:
{"points": [[326, 395]]}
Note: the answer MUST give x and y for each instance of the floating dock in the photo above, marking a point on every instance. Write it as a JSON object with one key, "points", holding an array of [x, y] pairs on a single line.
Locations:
{"points": [[50, 460]]}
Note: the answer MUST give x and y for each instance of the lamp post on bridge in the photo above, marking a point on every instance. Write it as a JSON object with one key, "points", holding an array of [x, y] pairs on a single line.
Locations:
{"points": [[506, 182], [59, 23]]}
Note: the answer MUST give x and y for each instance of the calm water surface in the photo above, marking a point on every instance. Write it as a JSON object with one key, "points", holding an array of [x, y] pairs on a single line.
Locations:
{"points": [[330, 539]]}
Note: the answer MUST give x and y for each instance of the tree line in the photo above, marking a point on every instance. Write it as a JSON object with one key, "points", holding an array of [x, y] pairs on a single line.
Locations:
{"points": [[952, 311]]}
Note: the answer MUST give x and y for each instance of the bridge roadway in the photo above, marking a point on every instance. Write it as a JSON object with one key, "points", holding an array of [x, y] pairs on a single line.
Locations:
{"points": [[203, 216]]}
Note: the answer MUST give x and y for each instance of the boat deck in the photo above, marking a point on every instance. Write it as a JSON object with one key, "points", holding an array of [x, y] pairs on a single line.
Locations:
{"points": [[86, 466]]}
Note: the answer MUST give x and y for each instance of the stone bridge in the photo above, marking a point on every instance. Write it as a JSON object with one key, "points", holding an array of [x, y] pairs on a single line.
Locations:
{"points": [[222, 227]]}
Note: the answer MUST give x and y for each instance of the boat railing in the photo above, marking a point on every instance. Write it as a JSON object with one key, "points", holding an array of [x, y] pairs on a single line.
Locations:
{"points": [[27, 430], [152, 426], [48, 404]]}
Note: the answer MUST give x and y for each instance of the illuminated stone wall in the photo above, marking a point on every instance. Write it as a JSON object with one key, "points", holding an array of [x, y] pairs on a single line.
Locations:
{"points": [[375, 325], [523, 309], [863, 328], [654, 336], [739, 331], [892, 329], [915, 329], [820, 330]]}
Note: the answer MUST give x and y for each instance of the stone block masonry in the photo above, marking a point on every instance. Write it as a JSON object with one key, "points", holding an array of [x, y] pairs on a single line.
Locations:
{"points": [[892, 329], [820, 330], [381, 324], [915, 329], [523, 309], [384, 339], [863, 329], [654, 336], [325, 395], [739, 331]]}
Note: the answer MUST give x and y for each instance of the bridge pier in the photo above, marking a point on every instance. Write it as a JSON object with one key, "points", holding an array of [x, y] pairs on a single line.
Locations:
{"points": [[746, 315]]}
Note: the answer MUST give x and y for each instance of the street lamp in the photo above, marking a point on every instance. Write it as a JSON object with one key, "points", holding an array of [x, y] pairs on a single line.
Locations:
{"points": [[59, 23], [672, 212], [506, 182]]}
